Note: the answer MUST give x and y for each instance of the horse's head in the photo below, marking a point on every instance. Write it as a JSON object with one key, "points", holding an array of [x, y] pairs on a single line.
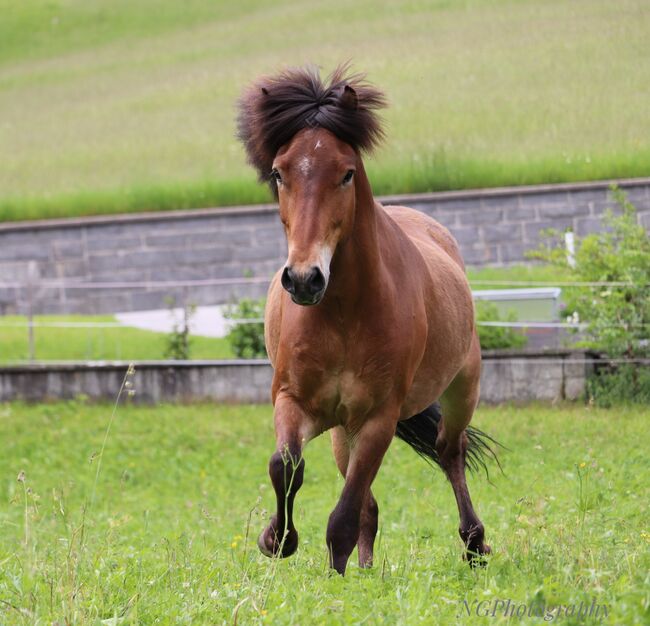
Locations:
{"points": [[314, 175], [305, 137]]}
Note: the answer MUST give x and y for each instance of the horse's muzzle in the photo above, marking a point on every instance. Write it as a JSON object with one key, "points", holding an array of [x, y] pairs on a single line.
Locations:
{"points": [[305, 289]]}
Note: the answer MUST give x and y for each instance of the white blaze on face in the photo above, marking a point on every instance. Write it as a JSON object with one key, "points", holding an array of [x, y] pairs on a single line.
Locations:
{"points": [[318, 145], [324, 260], [304, 165]]}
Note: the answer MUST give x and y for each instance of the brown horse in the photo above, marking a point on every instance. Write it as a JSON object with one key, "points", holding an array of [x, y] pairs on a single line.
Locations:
{"points": [[369, 323]]}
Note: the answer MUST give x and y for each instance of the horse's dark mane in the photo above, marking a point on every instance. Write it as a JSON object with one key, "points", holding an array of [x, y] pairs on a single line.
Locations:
{"points": [[273, 109]]}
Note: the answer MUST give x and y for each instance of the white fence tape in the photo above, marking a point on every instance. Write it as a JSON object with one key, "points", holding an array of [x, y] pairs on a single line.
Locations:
{"points": [[209, 282]]}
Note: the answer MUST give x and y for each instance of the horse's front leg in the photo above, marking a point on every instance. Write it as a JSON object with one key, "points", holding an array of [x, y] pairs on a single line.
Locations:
{"points": [[369, 521], [286, 469], [368, 447]]}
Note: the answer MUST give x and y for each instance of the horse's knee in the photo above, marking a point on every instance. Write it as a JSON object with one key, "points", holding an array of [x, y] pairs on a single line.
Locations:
{"points": [[286, 471]]}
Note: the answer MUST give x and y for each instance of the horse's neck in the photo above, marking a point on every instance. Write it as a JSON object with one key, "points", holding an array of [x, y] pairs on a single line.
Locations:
{"points": [[357, 264]]}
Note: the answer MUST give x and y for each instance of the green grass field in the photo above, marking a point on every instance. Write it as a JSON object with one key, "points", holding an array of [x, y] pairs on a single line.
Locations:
{"points": [[182, 492], [103, 344], [123, 106]]}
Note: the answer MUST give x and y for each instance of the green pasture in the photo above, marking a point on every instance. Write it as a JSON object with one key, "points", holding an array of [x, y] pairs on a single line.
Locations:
{"points": [[124, 106], [163, 531], [94, 344]]}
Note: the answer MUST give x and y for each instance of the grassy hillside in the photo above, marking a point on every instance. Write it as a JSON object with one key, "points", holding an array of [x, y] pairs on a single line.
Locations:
{"points": [[118, 106]]}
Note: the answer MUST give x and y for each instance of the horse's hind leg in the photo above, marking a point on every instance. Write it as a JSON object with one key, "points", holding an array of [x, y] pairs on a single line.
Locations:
{"points": [[370, 512], [458, 404], [286, 470]]}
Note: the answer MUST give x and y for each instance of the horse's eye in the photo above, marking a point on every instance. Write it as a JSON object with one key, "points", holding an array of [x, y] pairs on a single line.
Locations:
{"points": [[348, 177], [276, 175]]}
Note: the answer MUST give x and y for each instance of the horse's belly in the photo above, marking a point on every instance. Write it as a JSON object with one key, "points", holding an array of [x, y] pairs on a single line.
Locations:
{"points": [[450, 322], [423, 393]]}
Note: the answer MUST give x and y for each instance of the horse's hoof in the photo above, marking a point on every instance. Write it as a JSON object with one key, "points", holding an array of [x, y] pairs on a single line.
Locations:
{"points": [[270, 546], [476, 558]]}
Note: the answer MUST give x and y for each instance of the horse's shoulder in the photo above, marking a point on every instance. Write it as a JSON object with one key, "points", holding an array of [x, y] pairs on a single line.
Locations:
{"points": [[272, 316]]}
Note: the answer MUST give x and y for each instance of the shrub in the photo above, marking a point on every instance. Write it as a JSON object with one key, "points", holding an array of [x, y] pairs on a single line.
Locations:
{"points": [[177, 342], [622, 382], [495, 337], [247, 339], [617, 316]]}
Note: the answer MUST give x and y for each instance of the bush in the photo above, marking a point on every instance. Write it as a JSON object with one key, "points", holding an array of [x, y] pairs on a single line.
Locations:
{"points": [[617, 316], [622, 382], [247, 340], [177, 342], [495, 337]]}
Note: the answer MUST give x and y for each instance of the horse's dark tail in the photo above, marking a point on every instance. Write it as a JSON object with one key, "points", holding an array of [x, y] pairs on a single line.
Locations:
{"points": [[421, 432]]}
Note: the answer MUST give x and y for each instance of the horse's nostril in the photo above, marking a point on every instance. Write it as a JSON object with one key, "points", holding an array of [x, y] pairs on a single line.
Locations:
{"points": [[303, 287], [288, 281], [316, 281]]}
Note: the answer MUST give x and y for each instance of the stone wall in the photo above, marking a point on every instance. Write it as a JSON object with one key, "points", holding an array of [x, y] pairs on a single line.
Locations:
{"points": [[493, 227], [506, 377]]}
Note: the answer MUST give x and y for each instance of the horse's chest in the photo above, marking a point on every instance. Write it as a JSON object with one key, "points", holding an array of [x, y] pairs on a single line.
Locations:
{"points": [[339, 392], [344, 396], [346, 374]]}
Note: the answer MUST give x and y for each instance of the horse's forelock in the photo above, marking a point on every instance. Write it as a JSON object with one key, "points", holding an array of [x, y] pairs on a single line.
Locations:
{"points": [[273, 109]]}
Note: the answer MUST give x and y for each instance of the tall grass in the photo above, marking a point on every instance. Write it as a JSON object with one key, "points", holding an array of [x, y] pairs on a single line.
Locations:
{"points": [[132, 108]]}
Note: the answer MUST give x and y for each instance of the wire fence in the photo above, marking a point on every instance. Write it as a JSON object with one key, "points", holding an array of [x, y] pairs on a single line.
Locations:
{"points": [[213, 282], [31, 286], [231, 321]]}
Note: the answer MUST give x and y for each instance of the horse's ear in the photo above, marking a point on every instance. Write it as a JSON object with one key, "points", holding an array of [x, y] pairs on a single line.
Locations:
{"points": [[349, 99]]}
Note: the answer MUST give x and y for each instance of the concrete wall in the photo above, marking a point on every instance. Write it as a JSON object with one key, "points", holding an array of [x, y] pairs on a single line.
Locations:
{"points": [[507, 377], [493, 227]]}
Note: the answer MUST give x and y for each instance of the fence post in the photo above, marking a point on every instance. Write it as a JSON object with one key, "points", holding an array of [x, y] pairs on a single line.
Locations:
{"points": [[32, 272]]}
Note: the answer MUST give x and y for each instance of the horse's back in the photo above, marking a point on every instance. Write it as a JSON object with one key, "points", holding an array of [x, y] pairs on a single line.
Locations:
{"points": [[425, 232]]}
